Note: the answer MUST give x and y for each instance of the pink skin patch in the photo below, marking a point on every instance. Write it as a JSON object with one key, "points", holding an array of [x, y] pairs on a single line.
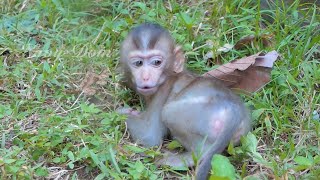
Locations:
{"points": [[216, 126], [218, 123]]}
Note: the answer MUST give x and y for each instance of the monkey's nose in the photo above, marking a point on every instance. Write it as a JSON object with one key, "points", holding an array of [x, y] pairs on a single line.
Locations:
{"points": [[146, 78]]}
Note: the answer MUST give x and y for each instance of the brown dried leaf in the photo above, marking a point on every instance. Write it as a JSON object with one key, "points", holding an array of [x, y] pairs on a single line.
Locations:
{"points": [[266, 40], [244, 41], [90, 79], [254, 78], [2, 84], [267, 60], [249, 73], [227, 72], [102, 78]]}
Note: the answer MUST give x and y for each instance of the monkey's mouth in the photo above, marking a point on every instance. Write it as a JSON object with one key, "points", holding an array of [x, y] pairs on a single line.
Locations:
{"points": [[147, 90]]}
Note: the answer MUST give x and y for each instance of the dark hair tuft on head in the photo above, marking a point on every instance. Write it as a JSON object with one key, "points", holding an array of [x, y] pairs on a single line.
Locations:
{"points": [[155, 31]]}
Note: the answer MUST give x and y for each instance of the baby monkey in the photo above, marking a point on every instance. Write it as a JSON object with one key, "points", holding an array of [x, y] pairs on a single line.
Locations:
{"points": [[202, 114]]}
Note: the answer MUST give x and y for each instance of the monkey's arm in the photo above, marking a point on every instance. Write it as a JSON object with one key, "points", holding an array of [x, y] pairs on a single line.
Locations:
{"points": [[146, 129]]}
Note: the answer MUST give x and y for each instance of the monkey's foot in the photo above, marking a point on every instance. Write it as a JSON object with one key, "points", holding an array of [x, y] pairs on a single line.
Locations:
{"points": [[176, 161]]}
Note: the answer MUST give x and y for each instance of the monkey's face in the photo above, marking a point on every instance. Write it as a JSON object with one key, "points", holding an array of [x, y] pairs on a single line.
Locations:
{"points": [[147, 70], [149, 57]]}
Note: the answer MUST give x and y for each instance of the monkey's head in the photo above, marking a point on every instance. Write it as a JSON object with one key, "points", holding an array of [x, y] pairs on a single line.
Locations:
{"points": [[148, 57]]}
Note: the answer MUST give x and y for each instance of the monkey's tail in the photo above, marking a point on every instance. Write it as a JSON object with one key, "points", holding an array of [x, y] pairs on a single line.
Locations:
{"points": [[204, 164]]}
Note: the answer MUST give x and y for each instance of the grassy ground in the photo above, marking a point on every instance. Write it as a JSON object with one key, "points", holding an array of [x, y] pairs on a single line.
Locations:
{"points": [[50, 128]]}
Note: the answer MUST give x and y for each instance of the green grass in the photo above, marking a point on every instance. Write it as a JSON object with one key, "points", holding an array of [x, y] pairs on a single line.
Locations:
{"points": [[48, 128]]}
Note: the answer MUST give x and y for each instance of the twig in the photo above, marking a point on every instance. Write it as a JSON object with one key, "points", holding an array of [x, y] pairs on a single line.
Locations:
{"points": [[76, 100], [24, 4]]}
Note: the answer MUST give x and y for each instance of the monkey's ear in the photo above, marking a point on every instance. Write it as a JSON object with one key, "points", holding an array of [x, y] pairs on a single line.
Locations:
{"points": [[178, 65]]}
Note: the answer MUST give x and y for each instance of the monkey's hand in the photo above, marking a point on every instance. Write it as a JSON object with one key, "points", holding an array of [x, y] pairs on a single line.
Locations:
{"points": [[128, 111]]}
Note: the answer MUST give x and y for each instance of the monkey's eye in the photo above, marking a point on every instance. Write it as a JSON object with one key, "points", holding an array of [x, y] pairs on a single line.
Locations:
{"points": [[138, 63], [156, 62]]}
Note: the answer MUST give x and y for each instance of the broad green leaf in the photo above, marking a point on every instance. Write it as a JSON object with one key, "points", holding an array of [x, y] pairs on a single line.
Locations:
{"points": [[56, 160], [268, 124], [317, 159], [37, 153], [41, 171], [231, 149], [74, 176], [84, 152], [100, 177], [141, 5], [139, 166], [300, 160], [37, 92], [113, 160], [135, 149], [70, 156], [71, 165], [188, 21], [174, 145], [222, 168], [46, 67], [14, 169], [259, 159], [46, 46], [101, 166], [9, 161], [257, 113], [250, 142]]}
